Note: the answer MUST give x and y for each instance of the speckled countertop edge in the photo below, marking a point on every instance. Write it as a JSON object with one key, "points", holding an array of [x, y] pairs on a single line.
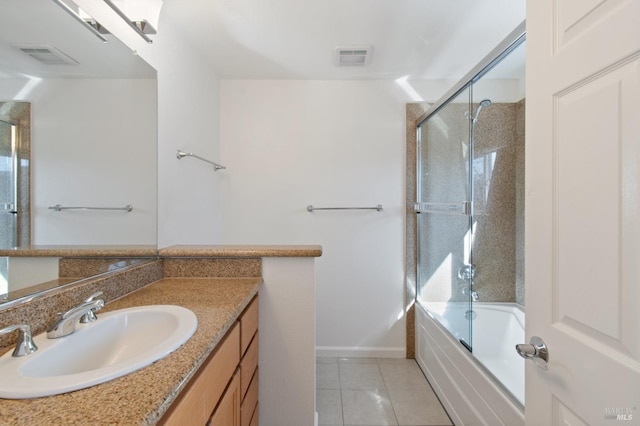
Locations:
{"points": [[241, 251], [82, 251], [142, 397], [238, 251]]}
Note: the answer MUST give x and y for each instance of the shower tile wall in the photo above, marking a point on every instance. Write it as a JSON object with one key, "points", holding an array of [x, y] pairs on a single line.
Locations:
{"points": [[494, 251]]}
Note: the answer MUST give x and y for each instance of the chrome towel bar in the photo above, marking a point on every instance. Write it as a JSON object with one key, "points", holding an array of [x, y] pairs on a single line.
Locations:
{"points": [[216, 166], [311, 208], [461, 208], [58, 208]]}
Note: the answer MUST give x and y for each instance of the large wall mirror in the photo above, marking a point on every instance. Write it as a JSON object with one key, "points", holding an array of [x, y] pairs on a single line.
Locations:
{"points": [[92, 112]]}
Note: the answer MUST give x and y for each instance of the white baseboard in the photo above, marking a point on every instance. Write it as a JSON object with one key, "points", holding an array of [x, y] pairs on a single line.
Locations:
{"points": [[360, 352]]}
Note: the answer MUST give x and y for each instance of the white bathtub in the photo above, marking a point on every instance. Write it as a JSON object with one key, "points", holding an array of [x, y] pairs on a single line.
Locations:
{"points": [[486, 387]]}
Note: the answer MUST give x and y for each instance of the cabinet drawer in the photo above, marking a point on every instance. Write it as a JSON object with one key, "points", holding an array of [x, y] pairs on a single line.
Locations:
{"points": [[255, 418], [250, 401], [196, 404], [248, 324], [248, 365], [228, 411], [221, 368], [189, 410]]}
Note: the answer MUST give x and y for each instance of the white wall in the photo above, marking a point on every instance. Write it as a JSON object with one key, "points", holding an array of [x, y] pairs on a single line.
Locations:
{"points": [[94, 144], [288, 144], [188, 118], [287, 342]]}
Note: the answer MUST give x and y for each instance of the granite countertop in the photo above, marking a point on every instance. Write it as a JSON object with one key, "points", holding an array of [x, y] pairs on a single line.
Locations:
{"points": [[241, 251], [141, 398], [238, 251], [81, 251]]}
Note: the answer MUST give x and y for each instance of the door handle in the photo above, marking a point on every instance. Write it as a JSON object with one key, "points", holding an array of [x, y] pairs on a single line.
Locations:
{"points": [[536, 350]]}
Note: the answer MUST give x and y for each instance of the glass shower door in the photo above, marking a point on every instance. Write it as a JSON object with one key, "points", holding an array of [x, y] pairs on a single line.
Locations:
{"points": [[8, 184], [445, 274]]}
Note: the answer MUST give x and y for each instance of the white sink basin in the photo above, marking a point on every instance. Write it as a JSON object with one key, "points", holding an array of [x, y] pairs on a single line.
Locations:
{"points": [[118, 343]]}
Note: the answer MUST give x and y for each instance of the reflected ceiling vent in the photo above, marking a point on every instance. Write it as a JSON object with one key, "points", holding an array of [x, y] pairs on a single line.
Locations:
{"points": [[352, 56], [47, 55]]}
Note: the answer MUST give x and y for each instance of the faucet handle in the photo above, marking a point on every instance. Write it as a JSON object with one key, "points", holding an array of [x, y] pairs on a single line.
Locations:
{"points": [[90, 316], [93, 296], [24, 344]]}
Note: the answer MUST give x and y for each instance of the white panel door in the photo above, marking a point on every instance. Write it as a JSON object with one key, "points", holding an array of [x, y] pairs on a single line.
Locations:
{"points": [[583, 210]]}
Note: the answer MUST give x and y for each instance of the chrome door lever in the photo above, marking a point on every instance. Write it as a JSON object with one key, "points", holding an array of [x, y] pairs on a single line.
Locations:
{"points": [[536, 350]]}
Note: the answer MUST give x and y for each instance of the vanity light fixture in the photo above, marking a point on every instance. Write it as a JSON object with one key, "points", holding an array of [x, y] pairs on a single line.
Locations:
{"points": [[82, 21], [142, 28]]}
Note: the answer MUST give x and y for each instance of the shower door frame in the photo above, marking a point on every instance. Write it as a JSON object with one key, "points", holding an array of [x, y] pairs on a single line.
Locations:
{"points": [[502, 50], [467, 389]]}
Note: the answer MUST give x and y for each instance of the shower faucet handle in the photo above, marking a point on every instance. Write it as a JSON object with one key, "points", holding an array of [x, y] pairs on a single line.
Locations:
{"points": [[467, 272]]}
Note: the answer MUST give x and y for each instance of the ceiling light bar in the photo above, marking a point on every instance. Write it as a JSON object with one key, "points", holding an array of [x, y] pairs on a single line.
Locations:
{"points": [[78, 18], [126, 19]]}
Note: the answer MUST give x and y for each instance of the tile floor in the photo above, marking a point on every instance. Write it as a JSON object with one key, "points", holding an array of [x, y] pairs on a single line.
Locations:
{"points": [[375, 391]]}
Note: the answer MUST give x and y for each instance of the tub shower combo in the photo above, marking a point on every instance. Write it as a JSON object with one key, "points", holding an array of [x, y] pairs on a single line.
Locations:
{"points": [[470, 241]]}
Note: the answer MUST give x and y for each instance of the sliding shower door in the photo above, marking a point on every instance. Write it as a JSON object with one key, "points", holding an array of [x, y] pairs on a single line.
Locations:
{"points": [[8, 184], [445, 275], [15, 154]]}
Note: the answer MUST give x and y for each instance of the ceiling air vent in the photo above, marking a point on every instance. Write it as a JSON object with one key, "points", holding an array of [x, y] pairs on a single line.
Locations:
{"points": [[352, 56], [47, 55]]}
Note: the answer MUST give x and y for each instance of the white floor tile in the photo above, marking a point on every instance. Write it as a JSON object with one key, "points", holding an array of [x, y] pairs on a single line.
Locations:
{"points": [[367, 407], [352, 360], [417, 407], [329, 407], [360, 376], [326, 360], [395, 361], [327, 376], [375, 391], [403, 376]]}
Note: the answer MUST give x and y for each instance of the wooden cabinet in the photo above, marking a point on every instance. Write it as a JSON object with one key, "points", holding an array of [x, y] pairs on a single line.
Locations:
{"points": [[249, 364], [228, 411], [224, 392]]}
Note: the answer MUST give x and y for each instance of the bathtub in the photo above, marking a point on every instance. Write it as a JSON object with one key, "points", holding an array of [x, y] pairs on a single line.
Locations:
{"points": [[486, 387]]}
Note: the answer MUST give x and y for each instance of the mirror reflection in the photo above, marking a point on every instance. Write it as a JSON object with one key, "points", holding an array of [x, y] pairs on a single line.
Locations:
{"points": [[78, 124]]}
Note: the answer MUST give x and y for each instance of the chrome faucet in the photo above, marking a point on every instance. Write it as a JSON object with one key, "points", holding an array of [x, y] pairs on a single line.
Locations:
{"points": [[24, 344], [469, 291], [65, 324], [90, 316]]}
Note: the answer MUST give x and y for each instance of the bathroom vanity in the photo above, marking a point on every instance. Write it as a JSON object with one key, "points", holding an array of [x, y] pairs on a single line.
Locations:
{"points": [[215, 374], [225, 389]]}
